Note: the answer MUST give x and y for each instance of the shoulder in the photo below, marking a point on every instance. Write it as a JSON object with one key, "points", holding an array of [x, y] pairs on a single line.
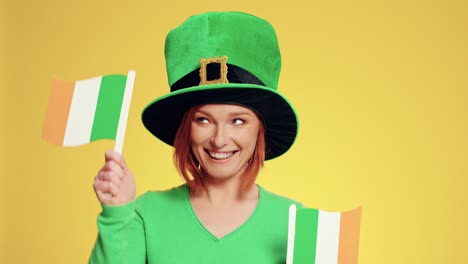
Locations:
{"points": [[274, 208], [274, 200], [160, 198]]}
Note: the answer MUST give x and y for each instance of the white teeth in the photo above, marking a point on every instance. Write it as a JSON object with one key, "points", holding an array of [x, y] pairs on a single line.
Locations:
{"points": [[219, 156]]}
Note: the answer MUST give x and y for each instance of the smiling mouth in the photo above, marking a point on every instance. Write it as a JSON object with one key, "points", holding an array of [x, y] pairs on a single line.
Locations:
{"points": [[220, 155]]}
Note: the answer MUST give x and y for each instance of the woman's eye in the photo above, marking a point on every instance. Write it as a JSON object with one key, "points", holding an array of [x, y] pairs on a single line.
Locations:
{"points": [[238, 121], [201, 120]]}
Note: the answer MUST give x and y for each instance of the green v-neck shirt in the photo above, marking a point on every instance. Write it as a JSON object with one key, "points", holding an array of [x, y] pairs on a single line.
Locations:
{"points": [[161, 227]]}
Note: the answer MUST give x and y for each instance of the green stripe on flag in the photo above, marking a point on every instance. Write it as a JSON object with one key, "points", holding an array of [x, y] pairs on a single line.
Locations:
{"points": [[109, 105], [305, 240]]}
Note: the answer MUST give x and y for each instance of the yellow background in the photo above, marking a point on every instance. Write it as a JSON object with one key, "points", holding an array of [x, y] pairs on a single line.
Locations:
{"points": [[380, 88]]}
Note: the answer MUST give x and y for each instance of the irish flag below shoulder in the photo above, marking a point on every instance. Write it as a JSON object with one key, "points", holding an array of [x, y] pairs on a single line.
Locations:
{"points": [[321, 237]]}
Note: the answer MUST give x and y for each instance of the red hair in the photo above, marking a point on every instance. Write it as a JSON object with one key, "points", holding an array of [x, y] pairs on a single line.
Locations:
{"points": [[189, 167]]}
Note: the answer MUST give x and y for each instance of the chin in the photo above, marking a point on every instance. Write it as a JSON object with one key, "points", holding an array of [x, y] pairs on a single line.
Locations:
{"points": [[216, 174]]}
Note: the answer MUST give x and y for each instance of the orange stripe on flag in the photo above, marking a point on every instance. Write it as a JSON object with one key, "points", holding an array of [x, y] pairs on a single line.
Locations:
{"points": [[57, 111], [349, 237]]}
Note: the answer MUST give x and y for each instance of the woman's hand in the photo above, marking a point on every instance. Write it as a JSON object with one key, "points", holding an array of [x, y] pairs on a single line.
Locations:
{"points": [[114, 183]]}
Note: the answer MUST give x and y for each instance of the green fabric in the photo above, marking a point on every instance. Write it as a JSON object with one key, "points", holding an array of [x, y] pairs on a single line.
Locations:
{"points": [[108, 108], [161, 227], [248, 42]]}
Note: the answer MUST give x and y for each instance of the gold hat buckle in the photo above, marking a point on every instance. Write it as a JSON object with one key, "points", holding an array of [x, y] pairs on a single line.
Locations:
{"points": [[222, 70]]}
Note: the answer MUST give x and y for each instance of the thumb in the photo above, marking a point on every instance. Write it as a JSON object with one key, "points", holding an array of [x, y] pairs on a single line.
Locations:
{"points": [[116, 157]]}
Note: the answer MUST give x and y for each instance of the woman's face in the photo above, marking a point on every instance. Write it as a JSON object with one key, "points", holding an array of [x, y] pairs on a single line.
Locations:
{"points": [[223, 139]]}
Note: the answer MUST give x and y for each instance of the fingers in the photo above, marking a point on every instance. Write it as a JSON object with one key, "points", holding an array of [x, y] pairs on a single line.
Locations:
{"points": [[105, 188], [111, 168], [109, 179], [109, 176], [115, 157], [114, 183]]}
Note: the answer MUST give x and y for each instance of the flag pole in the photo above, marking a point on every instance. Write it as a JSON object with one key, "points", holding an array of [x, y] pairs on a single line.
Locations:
{"points": [[119, 139], [291, 234]]}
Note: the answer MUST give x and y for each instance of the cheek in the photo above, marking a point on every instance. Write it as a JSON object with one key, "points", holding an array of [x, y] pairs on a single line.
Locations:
{"points": [[249, 139], [253, 134], [194, 135], [195, 148], [197, 136]]}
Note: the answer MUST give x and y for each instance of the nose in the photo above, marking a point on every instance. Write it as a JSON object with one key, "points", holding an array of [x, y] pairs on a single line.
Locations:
{"points": [[220, 136]]}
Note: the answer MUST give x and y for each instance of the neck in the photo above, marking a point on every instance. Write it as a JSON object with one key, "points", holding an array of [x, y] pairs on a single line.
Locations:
{"points": [[224, 193]]}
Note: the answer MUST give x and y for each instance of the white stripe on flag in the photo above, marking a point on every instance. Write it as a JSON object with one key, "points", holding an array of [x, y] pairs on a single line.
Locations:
{"points": [[82, 110], [328, 237]]}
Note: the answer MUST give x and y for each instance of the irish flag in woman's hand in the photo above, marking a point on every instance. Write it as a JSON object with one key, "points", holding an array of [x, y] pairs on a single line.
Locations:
{"points": [[83, 111], [320, 237]]}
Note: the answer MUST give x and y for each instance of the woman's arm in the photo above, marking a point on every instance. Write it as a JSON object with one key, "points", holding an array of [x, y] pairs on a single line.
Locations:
{"points": [[121, 237]]}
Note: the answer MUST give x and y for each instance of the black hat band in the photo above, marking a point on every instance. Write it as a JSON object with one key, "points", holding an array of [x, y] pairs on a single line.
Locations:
{"points": [[235, 74]]}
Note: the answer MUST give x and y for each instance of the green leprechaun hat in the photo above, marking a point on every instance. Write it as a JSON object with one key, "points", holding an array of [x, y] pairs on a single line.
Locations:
{"points": [[224, 57]]}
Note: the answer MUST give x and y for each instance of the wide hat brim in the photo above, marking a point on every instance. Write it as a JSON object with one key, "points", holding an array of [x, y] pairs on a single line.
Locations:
{"points": [[162, 117]]}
